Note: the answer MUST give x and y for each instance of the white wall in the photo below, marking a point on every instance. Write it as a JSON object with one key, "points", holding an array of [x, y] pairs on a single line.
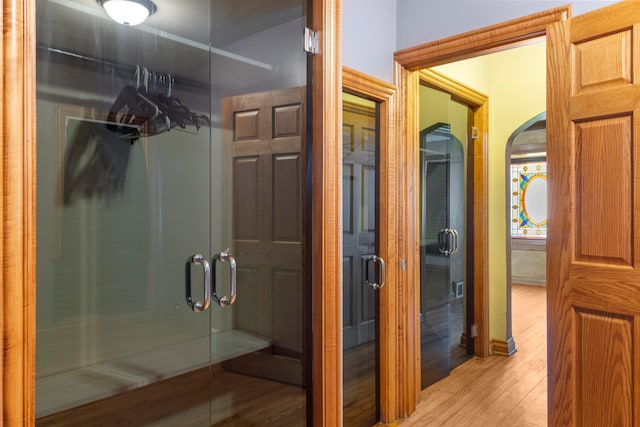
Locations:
{"points": [[420, 21], [372, 30], [369, 36], [528, 267]]}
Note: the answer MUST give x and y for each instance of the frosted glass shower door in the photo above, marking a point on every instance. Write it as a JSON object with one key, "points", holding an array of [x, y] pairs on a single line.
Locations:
{"points": [[445, 129], [124, 199], [171, 171], [363, 268]]}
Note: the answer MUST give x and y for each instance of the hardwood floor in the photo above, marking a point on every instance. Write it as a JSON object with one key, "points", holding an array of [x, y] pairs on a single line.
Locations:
{"points": [[359, 385], [231, 399], [499, 390], [226, 398]]}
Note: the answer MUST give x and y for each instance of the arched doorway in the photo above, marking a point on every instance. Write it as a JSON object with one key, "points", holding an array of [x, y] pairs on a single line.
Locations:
{"points": [[525, 200]]}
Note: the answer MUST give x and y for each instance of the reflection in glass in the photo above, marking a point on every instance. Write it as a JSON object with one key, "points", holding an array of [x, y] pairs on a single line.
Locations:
{"points": [[443, 285], [359, 212], [149, 153]]}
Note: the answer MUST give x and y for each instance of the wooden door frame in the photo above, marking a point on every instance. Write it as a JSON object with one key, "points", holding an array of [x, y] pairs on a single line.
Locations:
{"points": [[326, 214], [384, 94], [408, 62], [18, 213]]}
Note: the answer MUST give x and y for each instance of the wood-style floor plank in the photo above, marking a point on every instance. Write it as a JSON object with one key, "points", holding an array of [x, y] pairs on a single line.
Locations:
{"points": [[499, 390]]}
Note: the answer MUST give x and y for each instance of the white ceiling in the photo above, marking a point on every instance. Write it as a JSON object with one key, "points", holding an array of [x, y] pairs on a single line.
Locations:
{"points": [[224, 21], [175, 39]]}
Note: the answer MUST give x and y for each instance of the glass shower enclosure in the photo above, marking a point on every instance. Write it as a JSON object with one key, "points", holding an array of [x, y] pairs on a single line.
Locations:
{"points": [[171, 286], [445, 127]]}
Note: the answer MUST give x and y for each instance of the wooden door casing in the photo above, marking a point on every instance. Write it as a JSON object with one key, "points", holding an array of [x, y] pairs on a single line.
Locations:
{"points": [[358, 221], [18, 214], [408, 63], [325, 225], [594, 246]]}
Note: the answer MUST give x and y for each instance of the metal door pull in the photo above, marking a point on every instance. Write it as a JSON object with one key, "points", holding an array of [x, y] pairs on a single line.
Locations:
{"points": [[225, 256], [448, 241], [198, 306], [375, 259], [456, 245]]}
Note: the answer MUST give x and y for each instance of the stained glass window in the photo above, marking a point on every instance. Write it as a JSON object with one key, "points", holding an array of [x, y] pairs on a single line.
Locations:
{"points": [[529, 200]]}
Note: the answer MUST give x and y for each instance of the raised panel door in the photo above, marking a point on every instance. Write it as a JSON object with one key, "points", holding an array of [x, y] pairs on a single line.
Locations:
{"points": [[593, 246]]}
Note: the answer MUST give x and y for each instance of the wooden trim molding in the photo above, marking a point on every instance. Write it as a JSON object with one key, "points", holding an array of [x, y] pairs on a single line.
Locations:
{"points": [[326, 213], [407, 62], [408, 244], [389, 322], [18, 213], [479, 151], [503, 348], [459, 90], [481, 41]]}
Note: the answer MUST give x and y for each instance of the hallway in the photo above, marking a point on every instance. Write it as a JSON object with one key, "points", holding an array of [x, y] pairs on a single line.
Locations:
{"points": [[498, 391]]}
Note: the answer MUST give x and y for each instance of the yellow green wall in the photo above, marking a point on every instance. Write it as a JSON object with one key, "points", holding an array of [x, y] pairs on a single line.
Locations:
{"points": [[515, 81]]}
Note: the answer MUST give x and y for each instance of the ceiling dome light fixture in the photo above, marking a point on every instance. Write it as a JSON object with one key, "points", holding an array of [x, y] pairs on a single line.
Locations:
{"points": [[128, 12]]}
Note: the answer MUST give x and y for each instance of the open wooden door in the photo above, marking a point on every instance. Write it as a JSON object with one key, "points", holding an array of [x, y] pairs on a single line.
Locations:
{"points": [[594, 241]]}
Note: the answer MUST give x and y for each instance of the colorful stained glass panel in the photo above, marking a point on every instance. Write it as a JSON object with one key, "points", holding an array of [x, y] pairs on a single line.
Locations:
{"points": [[529, 200]]}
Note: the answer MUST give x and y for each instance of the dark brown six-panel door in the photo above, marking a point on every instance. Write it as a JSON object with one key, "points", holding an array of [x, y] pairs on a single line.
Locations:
{"points": [[358, 221], [264, 141]]}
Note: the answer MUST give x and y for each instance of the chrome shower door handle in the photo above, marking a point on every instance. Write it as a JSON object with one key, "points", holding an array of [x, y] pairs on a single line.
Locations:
{"points": [[224, 301], [382, 272], [444, 245], [198, 306], [455, 241], [375, 259]]}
